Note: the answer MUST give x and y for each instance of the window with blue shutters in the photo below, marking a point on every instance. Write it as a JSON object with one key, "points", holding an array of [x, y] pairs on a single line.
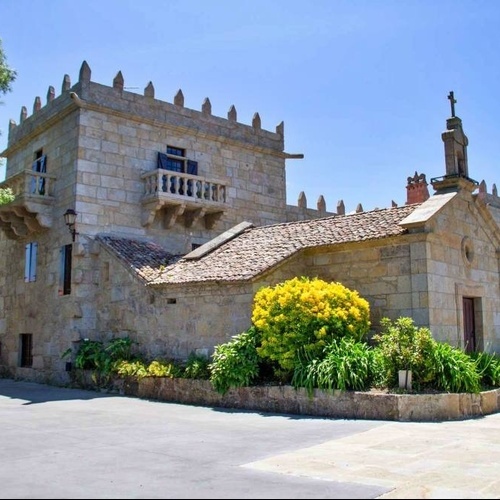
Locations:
{"points": [[175, 159], [31, 250]]}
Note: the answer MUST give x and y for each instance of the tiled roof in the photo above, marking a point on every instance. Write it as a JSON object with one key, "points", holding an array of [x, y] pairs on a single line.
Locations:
{"points": [[145, 258], [257, 249]]}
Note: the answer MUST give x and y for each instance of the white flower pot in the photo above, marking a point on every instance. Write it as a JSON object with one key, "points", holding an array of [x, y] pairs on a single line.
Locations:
{"points": [[405, 379]]}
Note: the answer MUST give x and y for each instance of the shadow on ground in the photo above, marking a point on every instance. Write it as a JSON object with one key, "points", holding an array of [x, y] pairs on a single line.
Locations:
{"points": [[33, 393]]}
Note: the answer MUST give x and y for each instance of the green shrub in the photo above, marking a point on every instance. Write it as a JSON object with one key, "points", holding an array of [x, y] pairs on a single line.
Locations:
{"points": [[90, 355], [6, 196], [140, 369], [235, 363], [378, 370], [454, 370], [160, 368], [97, 356], [488, 367], [404, 346], [301, 316], [197, 367], [346, 365], [136, 369], [119, 349]]}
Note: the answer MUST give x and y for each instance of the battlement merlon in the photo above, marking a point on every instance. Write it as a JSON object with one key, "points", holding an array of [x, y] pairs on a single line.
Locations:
{"points": [[145, 108], [488, 198]]}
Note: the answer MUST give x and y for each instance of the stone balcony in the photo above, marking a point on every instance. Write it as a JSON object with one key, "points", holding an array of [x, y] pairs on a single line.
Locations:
{"points": [[31, 210], [181, 196]]}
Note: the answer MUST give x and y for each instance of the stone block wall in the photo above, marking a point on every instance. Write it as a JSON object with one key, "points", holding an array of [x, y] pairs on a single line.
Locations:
{"points": [[463, 263], [379, 271], [169, 322], [334, 404]]}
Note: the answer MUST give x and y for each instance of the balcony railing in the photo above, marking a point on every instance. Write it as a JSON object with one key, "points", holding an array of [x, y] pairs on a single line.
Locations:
{"points": [[180, 193], [31, 210], [29, 183]]}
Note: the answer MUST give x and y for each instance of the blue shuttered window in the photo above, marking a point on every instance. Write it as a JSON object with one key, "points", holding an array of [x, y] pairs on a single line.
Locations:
{"points": [[175, 160], [31, 251]]}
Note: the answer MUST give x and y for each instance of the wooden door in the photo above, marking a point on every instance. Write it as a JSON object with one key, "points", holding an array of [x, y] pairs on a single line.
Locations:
{"points": [[469, 325]]}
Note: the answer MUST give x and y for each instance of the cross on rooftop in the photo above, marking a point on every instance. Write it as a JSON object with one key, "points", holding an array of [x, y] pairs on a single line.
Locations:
{"points": [[452, 99]]}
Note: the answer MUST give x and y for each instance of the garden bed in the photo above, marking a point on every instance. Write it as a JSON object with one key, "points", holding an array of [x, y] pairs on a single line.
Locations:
{"points": [[370, 405]]}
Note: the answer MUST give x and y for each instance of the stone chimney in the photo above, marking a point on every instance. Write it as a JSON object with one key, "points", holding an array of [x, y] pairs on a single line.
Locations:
{"points": [[416, 189]]}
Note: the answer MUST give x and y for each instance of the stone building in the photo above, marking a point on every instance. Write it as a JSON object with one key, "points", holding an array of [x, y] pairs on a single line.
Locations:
{"points": [[176, 217]]}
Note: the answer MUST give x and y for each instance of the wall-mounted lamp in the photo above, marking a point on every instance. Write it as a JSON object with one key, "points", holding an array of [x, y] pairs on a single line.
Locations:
{"points": [[70, 220]]}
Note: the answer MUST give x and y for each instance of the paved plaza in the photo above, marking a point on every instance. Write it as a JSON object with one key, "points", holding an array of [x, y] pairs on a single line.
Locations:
{"points": [[69, 443]]}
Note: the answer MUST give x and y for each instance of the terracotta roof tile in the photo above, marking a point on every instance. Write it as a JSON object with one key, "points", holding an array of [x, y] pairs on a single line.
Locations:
{"points": [[145, 258], [257, 249]]}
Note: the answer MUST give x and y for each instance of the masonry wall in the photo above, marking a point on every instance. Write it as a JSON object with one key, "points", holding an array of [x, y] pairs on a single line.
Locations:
{"points": [[175, 321], [35, 307], [169, 322], [97, 152], [463, 262], [120, 136]]}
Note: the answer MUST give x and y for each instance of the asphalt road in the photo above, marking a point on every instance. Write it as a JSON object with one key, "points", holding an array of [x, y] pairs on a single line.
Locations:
{"points": [[69, 443]]}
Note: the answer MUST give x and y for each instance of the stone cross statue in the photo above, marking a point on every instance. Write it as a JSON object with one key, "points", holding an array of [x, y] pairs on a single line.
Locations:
{"points": [[452, 102]]}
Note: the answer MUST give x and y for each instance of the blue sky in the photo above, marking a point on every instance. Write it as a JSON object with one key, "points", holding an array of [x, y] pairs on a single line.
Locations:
{"points": [[361, 85]]}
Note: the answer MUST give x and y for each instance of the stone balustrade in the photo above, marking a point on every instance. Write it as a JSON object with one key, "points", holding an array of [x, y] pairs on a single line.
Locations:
{"points": [[188, 186], [30, 183]]}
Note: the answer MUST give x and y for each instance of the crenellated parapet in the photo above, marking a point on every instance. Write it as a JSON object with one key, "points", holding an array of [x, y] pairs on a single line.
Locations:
{"points": [[491, 201], [302, 212], [488, 198], [117, 100]]}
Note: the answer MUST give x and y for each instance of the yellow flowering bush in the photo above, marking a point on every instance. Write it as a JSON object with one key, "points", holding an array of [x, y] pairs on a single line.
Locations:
{"points": [[303, 315]]}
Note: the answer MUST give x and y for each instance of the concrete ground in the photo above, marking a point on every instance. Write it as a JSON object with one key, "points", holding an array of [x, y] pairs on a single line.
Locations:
{"points": [[69, 443]]}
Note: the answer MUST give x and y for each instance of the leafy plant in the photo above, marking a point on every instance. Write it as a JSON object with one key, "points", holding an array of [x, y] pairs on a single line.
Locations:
{"points": [[197, 367], [158, 368], [488, 367], [404, 346], [347, 365], [378, 371], [235, 363], [136, 369], [90, 355], [119, 349], [299, 317], [6, 196], [454, 370], [103, 360], [7, 74]]}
